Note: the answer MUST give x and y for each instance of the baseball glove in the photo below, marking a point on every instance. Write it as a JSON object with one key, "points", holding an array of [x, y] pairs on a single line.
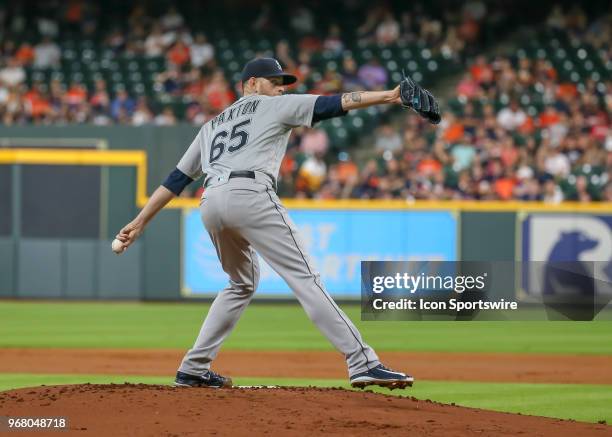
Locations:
{"points": [[419, 99]]}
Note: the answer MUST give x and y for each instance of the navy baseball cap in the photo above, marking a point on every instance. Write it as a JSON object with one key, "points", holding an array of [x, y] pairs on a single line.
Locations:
{"points": [[266, 67]]}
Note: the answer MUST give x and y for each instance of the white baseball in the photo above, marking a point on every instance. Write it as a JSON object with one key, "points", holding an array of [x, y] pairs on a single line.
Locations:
{"points": [[117, 246]]}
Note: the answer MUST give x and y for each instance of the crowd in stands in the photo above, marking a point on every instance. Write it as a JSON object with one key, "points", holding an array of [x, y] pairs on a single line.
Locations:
{"points": [[485, 150], [492, 148], [192, 70]]}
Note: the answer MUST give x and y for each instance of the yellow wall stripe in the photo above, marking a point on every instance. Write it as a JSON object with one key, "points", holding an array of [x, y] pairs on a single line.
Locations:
{"points": [[73, 157]]}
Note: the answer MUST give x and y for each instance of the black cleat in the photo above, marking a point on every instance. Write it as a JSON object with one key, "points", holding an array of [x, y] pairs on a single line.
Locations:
{"points": [[208, 379], [383, 377]]}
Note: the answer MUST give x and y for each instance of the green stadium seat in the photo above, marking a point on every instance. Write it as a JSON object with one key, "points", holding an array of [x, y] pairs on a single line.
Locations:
{"points": [[386, 54]]}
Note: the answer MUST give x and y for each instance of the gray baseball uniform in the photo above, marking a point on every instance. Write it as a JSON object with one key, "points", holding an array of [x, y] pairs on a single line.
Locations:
{"points": [[243, 215]]}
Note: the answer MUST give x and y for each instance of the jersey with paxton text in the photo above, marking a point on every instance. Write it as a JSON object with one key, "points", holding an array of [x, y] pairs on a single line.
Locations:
{"points": [[251, 134]]}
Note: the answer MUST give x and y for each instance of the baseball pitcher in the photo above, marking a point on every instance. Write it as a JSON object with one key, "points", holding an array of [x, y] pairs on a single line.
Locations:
{"points": [[240, 152]]}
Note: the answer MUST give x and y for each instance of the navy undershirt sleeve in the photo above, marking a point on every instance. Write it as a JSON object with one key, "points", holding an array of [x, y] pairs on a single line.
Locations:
{"points": [[327, 107], [177, 181]]}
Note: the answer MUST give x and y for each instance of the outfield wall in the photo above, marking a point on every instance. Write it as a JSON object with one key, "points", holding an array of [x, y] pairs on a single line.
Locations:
{"points": [[174, 247], [66, 191]]}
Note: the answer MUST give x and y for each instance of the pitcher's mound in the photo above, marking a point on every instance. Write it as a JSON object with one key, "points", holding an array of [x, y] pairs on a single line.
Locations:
{"points": [[139, 410]]}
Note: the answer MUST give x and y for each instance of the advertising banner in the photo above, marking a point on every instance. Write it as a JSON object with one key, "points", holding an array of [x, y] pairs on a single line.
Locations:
{"points": [[336, 240], [571, 240]]}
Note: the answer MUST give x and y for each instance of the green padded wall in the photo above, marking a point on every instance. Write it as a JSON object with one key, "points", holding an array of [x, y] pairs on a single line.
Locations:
{"points": [[7, 267], [162, 241], [488, 236], [491, 236]]}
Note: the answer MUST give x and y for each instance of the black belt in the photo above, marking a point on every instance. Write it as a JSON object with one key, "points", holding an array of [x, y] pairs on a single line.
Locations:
{"points": [[250, 174], [242, 174]]}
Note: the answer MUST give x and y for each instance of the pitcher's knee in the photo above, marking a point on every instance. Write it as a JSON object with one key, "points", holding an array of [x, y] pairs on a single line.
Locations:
{"points": [[244, 289]]}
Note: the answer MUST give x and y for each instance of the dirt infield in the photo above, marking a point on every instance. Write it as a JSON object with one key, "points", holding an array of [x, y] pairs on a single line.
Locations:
{"points": [[482, 367], [139, 410]]}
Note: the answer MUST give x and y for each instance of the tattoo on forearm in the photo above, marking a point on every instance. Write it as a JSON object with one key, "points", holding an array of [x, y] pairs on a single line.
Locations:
{"points": [[352, 97]]}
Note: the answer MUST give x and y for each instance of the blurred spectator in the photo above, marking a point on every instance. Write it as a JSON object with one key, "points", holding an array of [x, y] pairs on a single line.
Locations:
{"points": [[302, 20], [373, 75], [347, 170], [184, 35], [218, 92], [155, 43], [311, 43], [302, 69], [333, 42], [73, 12], [116, 40], [36, 102], [314, 141], [468, 87], [13, 74], [452, 129], [76, 94], [581, 193], [47, 26], [201, 51], [194, 83], [350, 78], [552, 192], [46, 54], [283, 55], [528, 190], [169, 81], [373, 17], [504, 185], [556, 163], [166, 118], [142, 113], [511, 117], [312, 172], [607, 196], [453, 45], [388, 139], [172, 19], [330, 83], [556, 19], [388, 30], [122, 105], [469, 28], [25, 54], [576, 20], [179, 54], [367, 185], [481, 71], [100, 98], [431, 31], [463, 154], [198, 112]]}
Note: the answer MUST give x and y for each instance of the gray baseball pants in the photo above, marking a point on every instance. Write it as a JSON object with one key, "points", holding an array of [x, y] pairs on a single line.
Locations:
{"points": [[245, 215]]}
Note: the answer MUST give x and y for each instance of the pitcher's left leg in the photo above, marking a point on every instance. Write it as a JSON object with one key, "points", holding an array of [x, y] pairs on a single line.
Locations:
{"points": [[275, 238]]}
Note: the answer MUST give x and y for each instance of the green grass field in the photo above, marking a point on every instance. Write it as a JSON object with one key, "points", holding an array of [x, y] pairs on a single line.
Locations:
{"points": [[285, 327], [278, 327]]}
